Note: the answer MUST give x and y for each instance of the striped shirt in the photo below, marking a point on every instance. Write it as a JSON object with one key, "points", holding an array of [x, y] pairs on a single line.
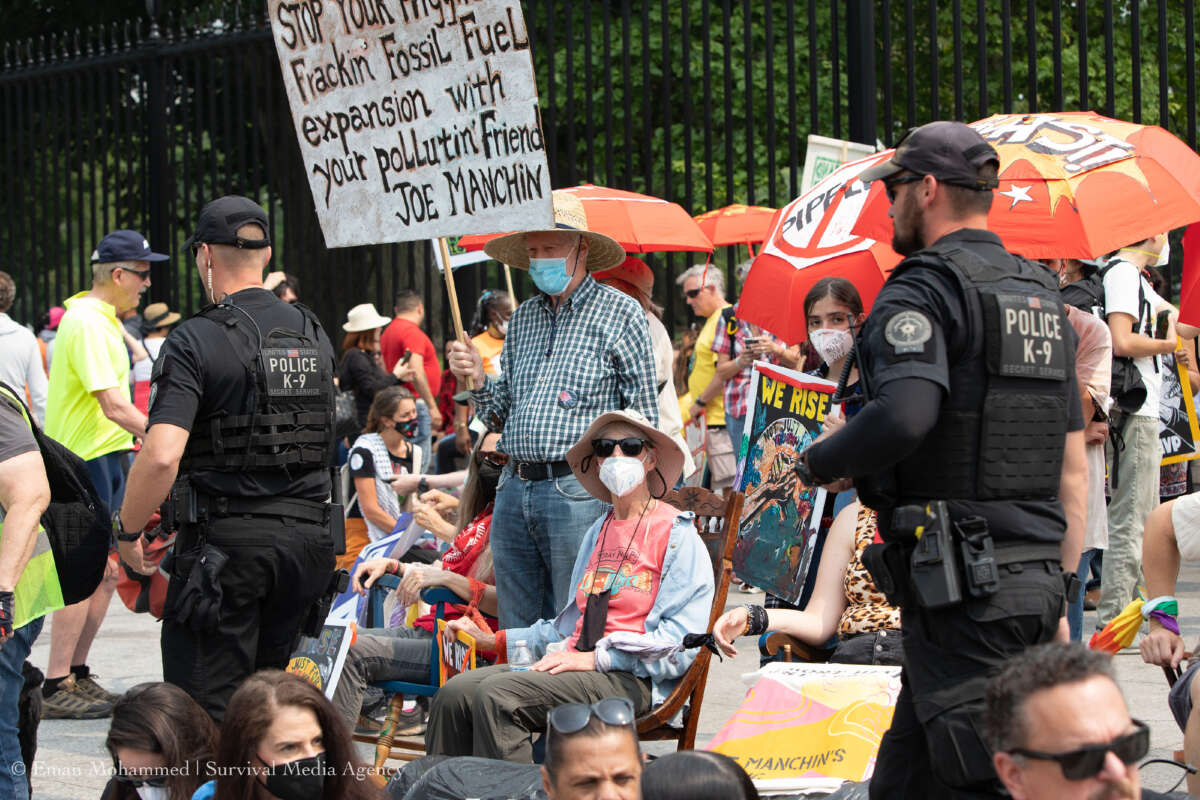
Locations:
{"points": [[560, 370]]}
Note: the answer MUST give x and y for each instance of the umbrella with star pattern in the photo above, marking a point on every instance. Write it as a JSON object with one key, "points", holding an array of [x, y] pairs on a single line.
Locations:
{"points": [[1076, 184]]}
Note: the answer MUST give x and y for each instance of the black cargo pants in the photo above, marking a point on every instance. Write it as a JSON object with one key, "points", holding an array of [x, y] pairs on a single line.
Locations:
{"points": [[276, 570], [935, 746]]}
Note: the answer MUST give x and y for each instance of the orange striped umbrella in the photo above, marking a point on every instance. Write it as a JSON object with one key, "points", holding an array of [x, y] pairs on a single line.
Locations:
{"points": [[638, 222]]}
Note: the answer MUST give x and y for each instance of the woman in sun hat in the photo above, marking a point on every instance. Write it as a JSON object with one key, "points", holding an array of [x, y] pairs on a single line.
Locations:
{"points": [[642, 580], [361, 370]]}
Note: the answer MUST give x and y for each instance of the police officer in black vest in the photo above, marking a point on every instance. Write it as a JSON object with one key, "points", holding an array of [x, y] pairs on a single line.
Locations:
{"points": [[240, 434], [970, 448]]}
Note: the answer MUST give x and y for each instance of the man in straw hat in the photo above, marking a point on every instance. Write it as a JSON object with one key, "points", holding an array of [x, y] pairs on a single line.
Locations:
{"points": [[640, 582], [573, 352]]}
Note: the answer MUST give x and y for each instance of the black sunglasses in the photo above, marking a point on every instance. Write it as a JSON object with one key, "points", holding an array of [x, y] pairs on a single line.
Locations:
{"points": [[1084, 762], [137, 781], [574, 717], [692, 294], [603, 448], [142, 274], [890, 184], [494, 457]]}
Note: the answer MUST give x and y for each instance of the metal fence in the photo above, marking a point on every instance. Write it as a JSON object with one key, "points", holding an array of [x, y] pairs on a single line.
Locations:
{"points": [[706, 102]]}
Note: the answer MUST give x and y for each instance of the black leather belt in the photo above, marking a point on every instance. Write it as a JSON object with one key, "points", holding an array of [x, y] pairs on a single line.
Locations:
{"points": [[541, 470]]}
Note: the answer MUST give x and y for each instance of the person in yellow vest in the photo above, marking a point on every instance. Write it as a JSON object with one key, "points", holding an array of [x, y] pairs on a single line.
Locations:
{"points": [[29, 587], [704, 291]]}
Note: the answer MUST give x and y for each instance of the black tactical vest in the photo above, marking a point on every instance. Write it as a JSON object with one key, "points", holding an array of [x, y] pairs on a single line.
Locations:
{"points": [[1001, 430], [287, 419]]}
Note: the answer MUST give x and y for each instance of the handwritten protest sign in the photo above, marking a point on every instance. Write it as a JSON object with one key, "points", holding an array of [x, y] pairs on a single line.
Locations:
{"points": [[1178, 432], [416, 119], [320, 659], [809, 727], [455, 654], [777, 544]]}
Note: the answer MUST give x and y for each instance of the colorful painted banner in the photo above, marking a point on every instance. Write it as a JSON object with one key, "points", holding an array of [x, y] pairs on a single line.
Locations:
{"points": [[778, 543], [454, 655], [809, 727], [1178, 432], [320, 659]]}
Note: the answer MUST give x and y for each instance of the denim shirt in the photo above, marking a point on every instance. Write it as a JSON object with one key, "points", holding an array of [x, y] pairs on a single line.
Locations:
{"points": [[683, 604]]}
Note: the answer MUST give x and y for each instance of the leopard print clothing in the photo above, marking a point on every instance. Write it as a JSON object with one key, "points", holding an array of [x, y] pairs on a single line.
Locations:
{"points": [[867, 610]]}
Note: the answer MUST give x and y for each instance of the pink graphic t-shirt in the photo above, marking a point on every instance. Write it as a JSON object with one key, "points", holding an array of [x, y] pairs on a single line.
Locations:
{"points": [[634, 581]]}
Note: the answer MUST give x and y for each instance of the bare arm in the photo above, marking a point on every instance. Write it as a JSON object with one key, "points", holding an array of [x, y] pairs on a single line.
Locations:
{"points": [[1160, 565], [119, 410], [24, 493], [1134, 345], [137, 351], [1072, 490]]}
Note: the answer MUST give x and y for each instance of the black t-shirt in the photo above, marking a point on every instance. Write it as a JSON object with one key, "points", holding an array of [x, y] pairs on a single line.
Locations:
{"points": [[937, 297], [199, 376], [362, 465]]}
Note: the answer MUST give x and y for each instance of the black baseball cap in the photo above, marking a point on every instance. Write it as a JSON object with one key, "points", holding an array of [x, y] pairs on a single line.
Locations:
{"points": [[124, 245], [220, 220], [950, 151]]}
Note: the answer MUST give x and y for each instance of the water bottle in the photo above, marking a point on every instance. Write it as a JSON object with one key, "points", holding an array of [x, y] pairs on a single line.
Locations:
{"points": [[522, 658]]}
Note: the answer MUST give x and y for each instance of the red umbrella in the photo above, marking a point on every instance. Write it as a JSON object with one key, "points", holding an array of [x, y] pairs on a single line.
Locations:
{"points": [[812, 239], [640, 223], [1189, 291], [737, 224], [1077, 184]]}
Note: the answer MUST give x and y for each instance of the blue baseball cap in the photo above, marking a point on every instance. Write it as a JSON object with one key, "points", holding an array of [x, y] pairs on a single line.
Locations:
{"points": [[124, 245]]}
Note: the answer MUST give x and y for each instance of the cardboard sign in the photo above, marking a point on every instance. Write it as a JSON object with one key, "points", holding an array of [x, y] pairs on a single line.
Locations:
{"points": [[415, 119], [458, 256], [825, 155], [809, 727], [455, 654], [777, 546], [320, 660], [1178, 432]]}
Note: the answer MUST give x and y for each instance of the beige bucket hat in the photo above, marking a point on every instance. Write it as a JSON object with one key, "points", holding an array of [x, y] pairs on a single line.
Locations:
{"points": [[364, 317], [587, 469], [603, 251]]}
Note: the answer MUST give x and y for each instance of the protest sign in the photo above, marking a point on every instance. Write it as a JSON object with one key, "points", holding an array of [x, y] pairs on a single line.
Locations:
{"points": [[1178, 432], [320, 659], [455, 653], [778, 544], [415, 119], [809, 727], [825, 155], [695, 433]]}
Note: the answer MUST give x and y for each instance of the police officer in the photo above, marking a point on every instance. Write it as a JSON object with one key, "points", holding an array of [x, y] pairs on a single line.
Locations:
{"points": [[240, 434], [970, 448]]}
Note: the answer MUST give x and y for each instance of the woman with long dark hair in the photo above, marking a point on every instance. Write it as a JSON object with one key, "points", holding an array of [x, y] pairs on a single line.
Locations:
{"points": [[282, 739], [161, 742], [361, 369]]}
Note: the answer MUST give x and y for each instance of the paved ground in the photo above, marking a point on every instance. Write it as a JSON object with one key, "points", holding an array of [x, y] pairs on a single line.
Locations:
{"points": [[72, 763]]}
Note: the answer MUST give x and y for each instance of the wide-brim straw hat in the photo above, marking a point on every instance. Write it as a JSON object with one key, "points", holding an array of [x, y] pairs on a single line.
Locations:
{"points": [[569, 217], [364, 317], [158, 315], [587, 467]]}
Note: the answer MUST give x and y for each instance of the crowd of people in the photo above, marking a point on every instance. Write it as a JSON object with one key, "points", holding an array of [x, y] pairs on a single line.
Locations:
{"points": [[527, 472]]}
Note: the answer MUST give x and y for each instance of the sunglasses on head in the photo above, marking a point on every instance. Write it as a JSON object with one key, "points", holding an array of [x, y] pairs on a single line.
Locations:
{"points": [[890, 184], [692, 294], [632, 446], [1085, 762], [574, 717]]}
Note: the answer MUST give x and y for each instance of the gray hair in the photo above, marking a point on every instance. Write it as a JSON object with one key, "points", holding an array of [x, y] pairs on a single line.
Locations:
{"points": [[715, 278], [1038, 668], [102, 271]]}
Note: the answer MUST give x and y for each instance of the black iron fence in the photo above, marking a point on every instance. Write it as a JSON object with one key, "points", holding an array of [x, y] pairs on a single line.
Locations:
{"points": [[706, 102]]}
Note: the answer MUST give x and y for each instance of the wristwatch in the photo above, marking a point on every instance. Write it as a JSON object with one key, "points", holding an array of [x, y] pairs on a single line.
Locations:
{"points": [[119, 531], [422, 485]]}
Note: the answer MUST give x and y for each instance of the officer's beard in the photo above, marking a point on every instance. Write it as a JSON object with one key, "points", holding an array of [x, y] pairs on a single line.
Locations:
{"points": [[906, 230]]}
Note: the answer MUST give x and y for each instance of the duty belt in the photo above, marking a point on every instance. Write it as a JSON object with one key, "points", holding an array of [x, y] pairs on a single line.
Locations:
{"points": [[291, 507], [541, 470], [1018, 552]]}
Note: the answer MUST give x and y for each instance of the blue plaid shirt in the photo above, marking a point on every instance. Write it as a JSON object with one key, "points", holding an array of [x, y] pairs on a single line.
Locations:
{"points": [[560, 370]]}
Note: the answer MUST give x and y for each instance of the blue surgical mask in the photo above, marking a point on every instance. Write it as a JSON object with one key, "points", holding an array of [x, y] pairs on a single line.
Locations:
{"points": [[549, 274]]}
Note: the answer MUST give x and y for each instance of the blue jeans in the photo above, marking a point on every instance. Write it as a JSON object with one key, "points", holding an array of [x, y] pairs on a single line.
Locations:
{"points": [[734, 426], [1075, 604], [108, 476], [12, 655], [537, 528], [424, 438]]}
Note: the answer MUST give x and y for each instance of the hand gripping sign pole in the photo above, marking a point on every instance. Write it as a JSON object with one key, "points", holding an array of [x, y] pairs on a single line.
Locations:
{"points": [[452, 293]]}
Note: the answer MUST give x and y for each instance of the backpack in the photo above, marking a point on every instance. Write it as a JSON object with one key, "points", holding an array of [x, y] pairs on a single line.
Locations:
{"points": [[76, 521]]}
